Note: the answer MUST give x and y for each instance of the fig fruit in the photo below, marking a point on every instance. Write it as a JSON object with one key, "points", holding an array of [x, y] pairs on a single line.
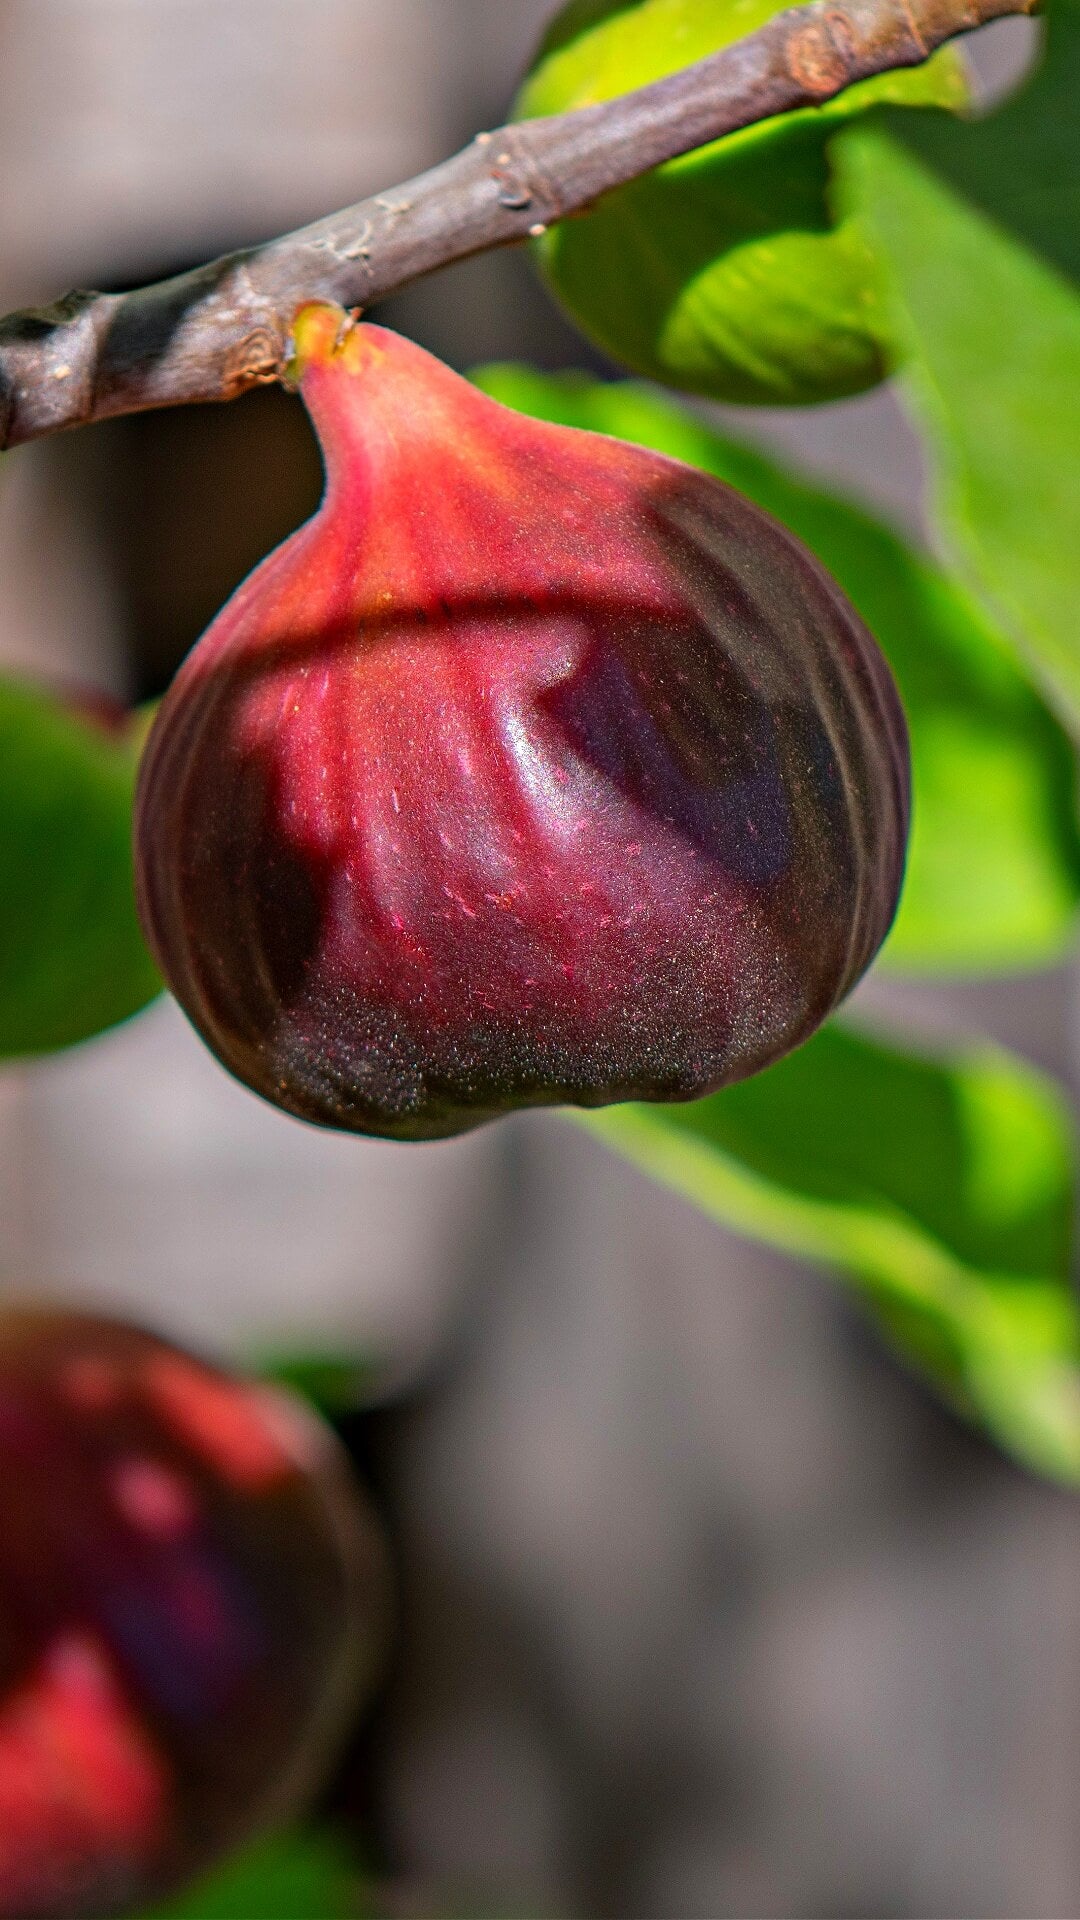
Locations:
{"points": [[190, 1595], [535, 768], [725, 271]]}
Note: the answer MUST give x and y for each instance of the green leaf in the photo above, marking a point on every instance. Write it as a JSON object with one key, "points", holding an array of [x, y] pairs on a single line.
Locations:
{"points": [[1021, 164], [335, 1383], [72, 958], [297, 1876], [724, 271], [942, 1187], [994, 868], [992, 337]]}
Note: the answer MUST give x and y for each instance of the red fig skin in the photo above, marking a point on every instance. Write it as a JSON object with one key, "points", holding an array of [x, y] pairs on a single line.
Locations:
{"points": [[535, 768]]}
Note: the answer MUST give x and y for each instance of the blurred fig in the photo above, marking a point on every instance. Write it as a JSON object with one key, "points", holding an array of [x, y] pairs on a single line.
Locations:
{"points": [[725, 271], [535, 768], [190, 1595]]}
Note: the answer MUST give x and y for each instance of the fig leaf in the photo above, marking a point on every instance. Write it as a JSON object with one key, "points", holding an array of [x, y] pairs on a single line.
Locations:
{"points": [[992, 334], [943, 1187], [72, 958], [724, 272]]}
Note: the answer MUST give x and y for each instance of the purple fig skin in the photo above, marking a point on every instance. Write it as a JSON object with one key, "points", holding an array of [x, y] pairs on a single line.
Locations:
{"points": [[536, 768]]}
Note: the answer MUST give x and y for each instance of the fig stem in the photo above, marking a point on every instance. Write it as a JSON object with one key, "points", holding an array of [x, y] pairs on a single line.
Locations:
{"points": [[211, 333]]}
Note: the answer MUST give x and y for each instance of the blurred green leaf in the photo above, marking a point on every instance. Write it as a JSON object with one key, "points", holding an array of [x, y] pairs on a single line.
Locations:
{"points": [[1021, 164], [297, 1876], [942, 1187], [725, 271], [334, 1383], [993, 370], [72, 958], [994, 867]]}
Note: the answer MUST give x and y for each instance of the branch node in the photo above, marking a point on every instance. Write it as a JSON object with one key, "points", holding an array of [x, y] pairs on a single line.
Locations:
{"points": [[257, 361], [819, 55]]}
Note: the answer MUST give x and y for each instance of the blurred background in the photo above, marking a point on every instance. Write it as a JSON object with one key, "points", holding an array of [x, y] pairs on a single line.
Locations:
{"points": [[707, 1608]]}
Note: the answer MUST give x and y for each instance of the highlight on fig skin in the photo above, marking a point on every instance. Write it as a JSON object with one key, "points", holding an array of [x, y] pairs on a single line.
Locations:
{"points": [[535, 768], [191, 1598]]}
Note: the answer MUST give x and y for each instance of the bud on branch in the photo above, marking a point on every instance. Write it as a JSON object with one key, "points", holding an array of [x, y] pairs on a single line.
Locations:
{"points": [[212, 333]]}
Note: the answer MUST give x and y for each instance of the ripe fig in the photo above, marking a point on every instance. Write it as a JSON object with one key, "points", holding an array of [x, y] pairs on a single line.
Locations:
{"points": [[725, 271], [190, 1595], [535, 768]]}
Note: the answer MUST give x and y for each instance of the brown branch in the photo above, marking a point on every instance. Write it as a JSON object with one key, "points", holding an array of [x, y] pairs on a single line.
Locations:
{"points": [[211, 333]]}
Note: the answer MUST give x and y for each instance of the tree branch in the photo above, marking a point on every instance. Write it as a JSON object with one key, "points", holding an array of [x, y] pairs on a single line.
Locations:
{"points": [[224, 327]]}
